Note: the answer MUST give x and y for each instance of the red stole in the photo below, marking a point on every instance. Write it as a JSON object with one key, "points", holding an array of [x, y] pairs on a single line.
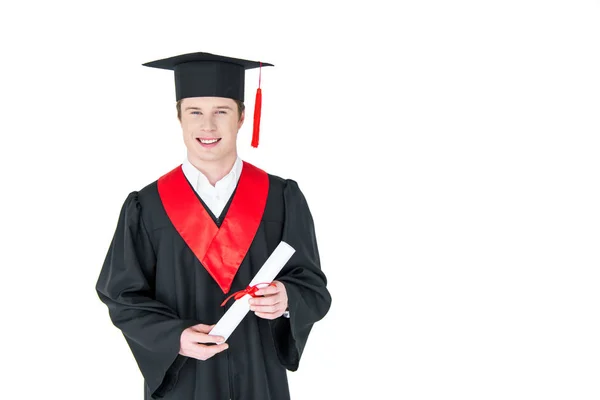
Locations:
{"points": [[219, 250]]}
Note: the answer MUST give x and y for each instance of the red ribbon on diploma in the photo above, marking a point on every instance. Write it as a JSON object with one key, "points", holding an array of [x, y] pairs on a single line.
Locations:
{"points": [[251, 290]]}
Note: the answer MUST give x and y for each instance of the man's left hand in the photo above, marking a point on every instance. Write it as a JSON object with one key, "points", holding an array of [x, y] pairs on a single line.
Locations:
{"points": [[273, 303]]}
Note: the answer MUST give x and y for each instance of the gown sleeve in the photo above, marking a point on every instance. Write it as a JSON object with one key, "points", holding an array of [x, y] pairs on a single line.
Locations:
{"points": [[305, 283], [152, 330]]}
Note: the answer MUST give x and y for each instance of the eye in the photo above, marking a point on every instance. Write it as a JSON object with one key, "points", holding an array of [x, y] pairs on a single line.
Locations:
{"points": [[221, 112], [196, 112]]}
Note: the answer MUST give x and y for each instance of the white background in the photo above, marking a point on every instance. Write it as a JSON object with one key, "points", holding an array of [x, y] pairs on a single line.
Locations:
{"points": [[449, 152]]}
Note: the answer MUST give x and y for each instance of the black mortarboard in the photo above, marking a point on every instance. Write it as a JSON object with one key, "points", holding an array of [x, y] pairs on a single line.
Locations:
{"points": [[205, 74]]}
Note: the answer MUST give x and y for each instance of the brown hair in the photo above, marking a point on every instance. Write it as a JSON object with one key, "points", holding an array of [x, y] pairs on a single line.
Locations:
{"points": [[239, 103]]}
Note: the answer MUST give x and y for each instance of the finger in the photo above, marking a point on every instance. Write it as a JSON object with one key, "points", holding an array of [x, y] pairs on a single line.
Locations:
{"points": [[218, 348], [202, 349], [203, 352], [203, 328], [268, 290], [266, 309], [210, 351], [204, 338], [267, 315], [204, 346], [265, 301]]}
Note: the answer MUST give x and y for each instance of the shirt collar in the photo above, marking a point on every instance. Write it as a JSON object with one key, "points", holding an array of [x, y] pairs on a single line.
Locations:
{"points": [[200, 182]]}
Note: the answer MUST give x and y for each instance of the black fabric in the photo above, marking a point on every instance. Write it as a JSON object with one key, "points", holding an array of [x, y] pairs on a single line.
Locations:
{"points": [[206, 74], [155, 288]]}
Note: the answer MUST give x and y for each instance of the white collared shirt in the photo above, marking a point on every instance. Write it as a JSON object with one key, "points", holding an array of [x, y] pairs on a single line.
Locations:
{"points": [[215, 197]]}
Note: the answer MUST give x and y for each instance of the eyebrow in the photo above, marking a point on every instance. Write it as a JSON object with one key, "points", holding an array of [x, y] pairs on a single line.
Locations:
{"points": [[218, 107]]}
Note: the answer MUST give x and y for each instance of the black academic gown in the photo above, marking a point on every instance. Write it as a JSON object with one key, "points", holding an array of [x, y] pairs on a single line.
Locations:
{"points": [[155, 288]]}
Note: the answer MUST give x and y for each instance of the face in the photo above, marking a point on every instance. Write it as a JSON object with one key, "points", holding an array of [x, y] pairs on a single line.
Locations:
{"points": [[210, 126]]}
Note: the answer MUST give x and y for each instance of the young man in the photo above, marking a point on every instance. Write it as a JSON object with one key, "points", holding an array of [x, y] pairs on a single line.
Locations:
{"points": [[201, 232]]}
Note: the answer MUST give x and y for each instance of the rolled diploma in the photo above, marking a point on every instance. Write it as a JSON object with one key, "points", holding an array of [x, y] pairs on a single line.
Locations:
{"points": [[236, 313]]}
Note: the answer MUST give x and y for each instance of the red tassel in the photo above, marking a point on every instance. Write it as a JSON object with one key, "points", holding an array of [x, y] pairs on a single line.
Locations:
{"points": [[257, 107]]}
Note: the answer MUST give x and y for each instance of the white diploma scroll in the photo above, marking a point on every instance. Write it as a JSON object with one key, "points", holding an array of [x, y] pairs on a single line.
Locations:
{"points": [[236, 313]]}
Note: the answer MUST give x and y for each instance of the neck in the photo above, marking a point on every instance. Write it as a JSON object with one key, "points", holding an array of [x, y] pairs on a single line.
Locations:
{"points": [[214, 170]]}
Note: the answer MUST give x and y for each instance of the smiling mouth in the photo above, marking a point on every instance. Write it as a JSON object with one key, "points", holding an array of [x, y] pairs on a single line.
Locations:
{"points": [[208, 141]]}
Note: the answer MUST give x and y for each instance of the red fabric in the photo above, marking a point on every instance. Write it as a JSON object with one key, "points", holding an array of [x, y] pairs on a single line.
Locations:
{"points": [[219, 250]]}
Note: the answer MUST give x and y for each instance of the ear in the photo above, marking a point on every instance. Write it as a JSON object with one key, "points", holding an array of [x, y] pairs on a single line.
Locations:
{"points": [[180, 113], [241, 121]]}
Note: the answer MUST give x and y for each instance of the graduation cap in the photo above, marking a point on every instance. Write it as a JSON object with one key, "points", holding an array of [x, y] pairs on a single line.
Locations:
{"points": [[205, 74]]}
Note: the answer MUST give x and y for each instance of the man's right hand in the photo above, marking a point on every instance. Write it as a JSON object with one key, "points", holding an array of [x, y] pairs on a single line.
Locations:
{"points": [[192, 339]]}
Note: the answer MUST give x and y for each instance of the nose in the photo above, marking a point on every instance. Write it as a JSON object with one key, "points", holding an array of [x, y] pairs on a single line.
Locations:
{"points": [[208, 124]]}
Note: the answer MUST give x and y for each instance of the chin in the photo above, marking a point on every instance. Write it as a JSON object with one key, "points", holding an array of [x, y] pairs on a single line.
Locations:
{"points": [[207, 156]]}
